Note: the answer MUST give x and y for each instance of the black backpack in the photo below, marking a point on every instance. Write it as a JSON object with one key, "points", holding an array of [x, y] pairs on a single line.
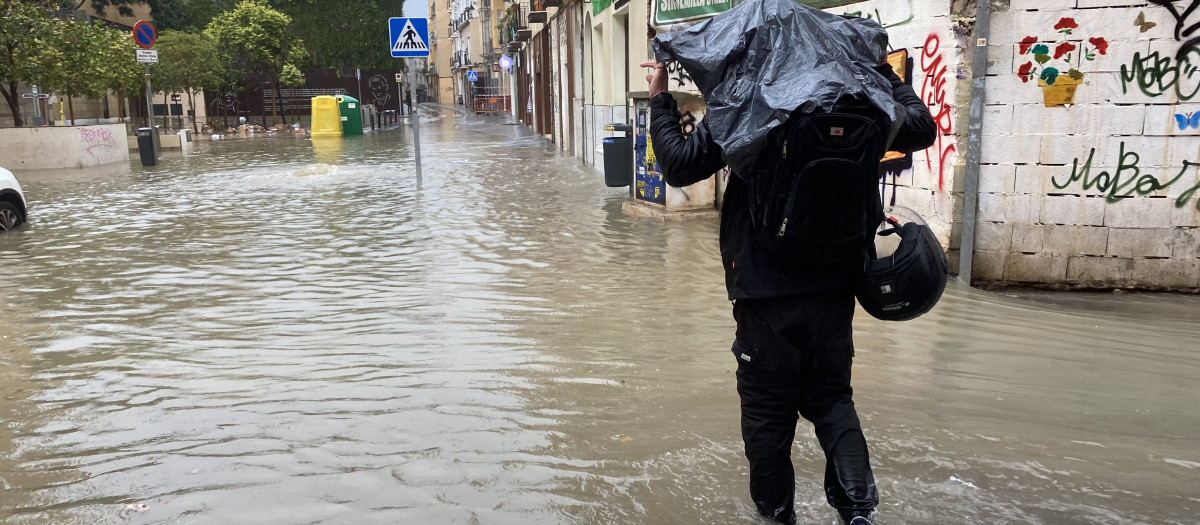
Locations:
{"points": [[814, 194]]}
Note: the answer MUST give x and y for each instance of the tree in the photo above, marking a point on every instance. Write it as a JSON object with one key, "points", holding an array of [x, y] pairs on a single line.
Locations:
{"points": [[72, 62], [256, 43], [188, 62], [185, 15], [292, 77], [23, 32], [117, 69], [325, 25]]}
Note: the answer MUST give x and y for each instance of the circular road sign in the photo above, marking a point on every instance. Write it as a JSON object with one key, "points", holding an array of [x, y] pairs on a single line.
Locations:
{"points": [[144, 34]]}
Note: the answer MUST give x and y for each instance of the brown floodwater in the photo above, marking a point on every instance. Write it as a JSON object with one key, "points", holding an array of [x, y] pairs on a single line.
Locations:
{"points": [[277, 331]]}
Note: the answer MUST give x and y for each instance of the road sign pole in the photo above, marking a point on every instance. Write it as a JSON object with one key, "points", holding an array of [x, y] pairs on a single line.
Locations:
{"points": [[409, 38], [149, 100], [416, 121]]}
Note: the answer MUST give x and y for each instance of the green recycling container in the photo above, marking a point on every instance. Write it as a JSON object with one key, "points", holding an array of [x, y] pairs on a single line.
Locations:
{"points": [[351, 115]]}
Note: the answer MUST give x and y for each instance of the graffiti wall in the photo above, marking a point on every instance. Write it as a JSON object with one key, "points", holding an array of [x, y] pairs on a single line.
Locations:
{"points": [[1090, 167], [931, 39]]}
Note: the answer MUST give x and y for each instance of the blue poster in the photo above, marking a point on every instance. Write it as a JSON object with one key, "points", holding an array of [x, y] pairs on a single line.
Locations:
{"points": [[650, 186]]}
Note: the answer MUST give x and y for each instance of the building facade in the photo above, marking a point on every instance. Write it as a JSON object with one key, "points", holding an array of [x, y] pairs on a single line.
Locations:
{"points": [[1088, 137]]}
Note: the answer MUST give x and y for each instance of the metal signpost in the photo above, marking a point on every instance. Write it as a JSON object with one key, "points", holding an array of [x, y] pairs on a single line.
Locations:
{"points": [[409, 38], [145, 35], [38, 119]]}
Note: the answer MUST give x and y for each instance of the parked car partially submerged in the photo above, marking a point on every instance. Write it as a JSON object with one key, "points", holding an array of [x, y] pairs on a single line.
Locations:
{"points": [[12, 202]]}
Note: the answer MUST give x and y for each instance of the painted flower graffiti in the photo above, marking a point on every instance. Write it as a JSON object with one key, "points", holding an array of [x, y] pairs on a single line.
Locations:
{"points": [[1055, 65], [1048, 65]]}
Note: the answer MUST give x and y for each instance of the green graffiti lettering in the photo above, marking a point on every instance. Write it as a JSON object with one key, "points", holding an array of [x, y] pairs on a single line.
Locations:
{"points": [[1076, 173], [1155, 75], [1128, 180], [1187, 195]]}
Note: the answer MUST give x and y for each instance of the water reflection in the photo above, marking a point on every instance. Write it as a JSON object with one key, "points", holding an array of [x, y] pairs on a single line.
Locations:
{"points": [[274, 331]]}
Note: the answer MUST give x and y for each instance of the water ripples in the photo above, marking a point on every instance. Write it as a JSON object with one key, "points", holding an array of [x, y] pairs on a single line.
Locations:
{"points": [[283, 331]]}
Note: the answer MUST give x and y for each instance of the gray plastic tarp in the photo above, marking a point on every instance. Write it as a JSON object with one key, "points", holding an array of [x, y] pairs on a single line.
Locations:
{"points": [[758, 62]]}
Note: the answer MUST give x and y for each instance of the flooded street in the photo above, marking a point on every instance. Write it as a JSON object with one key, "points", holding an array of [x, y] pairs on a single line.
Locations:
{"points": [[277, 331]]}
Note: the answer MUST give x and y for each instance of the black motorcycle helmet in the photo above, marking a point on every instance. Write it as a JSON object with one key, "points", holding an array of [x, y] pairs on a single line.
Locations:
{"points": [[907, 282]]}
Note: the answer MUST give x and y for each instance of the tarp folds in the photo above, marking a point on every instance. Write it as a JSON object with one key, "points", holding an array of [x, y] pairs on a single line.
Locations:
{"points": [[758, 62]]}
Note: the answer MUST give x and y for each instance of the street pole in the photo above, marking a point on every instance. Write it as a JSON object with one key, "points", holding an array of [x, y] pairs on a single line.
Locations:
{"points": [[416, 121], [149, 100]]}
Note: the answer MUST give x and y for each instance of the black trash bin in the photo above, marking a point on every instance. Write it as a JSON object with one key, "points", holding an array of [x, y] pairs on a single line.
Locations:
{"points": [[145, 142], [618, 157]]}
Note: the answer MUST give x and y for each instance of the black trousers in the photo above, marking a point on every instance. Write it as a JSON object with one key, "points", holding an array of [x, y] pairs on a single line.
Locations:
{"points": [[794, 355]]}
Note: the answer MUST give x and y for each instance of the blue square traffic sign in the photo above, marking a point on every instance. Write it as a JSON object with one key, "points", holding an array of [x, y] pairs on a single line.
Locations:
{"points": [[408, 37]]}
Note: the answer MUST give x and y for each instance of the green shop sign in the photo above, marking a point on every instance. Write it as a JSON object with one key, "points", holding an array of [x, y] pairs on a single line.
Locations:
{"points": [[668, 12]]}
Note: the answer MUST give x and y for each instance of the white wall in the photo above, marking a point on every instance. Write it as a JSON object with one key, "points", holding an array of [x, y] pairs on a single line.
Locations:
{"points": [[1127, 218], [62, 147]]}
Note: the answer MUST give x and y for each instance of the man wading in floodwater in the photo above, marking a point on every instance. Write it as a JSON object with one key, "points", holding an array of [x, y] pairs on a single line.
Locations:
{"points": [[793, 343]]}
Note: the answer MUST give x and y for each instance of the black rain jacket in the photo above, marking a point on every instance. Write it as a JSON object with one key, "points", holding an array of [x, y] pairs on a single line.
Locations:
{"points": [[750, 270]]}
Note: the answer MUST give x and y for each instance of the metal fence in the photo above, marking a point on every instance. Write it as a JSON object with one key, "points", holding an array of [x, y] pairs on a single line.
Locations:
{"points": [[491, 101]]}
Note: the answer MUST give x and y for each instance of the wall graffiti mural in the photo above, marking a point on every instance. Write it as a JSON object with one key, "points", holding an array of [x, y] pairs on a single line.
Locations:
{"points": [[1183, 28], [679, 78], [1155, 75], [381, 91], [1057, 70], [1142, 24], [934, 93], [93, 138], [1129, 180], [1187, 120]]}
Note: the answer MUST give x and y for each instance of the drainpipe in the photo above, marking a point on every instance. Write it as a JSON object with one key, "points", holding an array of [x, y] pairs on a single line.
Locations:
{"points": [[966, 243]]}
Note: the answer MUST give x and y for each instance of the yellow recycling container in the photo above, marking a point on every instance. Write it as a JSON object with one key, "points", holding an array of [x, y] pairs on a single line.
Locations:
{"points": [[326, 117]]}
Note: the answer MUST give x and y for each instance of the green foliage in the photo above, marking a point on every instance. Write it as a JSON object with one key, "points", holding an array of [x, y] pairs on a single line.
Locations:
{"points": [[292, 77], [23, 30], [185, 15], [344, 32], [116, 68], [73, 60], [187, 62], [254, 41]]}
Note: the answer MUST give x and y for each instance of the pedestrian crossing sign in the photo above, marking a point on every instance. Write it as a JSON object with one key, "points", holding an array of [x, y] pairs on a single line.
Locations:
{"points": [[472, 76], [409, 37]]}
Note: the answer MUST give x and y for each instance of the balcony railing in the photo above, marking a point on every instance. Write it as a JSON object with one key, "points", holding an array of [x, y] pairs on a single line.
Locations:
{"points": [[514, 20], [460, 59]]}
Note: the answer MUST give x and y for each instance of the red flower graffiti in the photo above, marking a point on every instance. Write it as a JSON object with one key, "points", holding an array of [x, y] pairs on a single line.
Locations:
{"points": [[1100, 44], [1025, 71], [1063, 48], [1065, 25], [1027, 42]]}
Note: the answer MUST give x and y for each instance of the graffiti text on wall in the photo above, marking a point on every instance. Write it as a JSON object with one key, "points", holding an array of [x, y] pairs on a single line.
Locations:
{"points": [[93, 138], [1155, 74], [1128, 180], [679, 77], [1182, 28], [933, 92]]}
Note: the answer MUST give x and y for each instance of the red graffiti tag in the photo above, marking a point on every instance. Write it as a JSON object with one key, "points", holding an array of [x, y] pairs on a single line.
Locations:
{"points": [[933, 92], [93, 138]]}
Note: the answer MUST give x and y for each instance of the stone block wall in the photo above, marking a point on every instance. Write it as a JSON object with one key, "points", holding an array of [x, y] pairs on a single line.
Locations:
{"points": [[1103, 190]]}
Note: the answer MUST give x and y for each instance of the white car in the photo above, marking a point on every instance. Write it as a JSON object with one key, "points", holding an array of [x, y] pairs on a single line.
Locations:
{"points": [[12, 201]]}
